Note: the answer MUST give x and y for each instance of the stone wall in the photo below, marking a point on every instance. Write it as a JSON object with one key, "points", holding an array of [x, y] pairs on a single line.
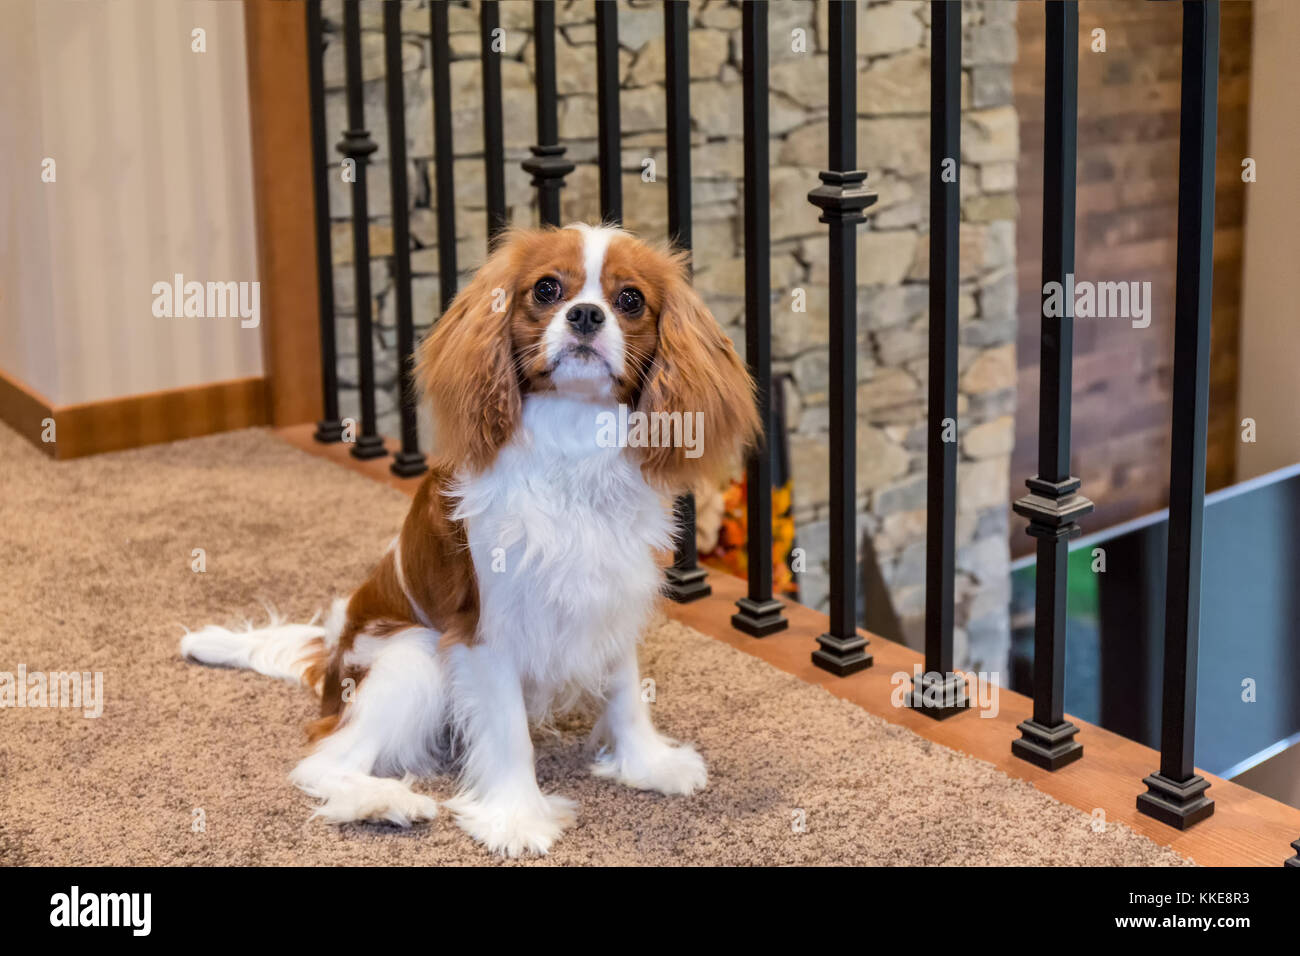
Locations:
{"points": [[893, 137]]}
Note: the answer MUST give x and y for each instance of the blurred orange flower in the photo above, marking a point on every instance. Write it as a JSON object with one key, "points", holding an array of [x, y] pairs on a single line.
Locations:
{"points": [[730, 554]]}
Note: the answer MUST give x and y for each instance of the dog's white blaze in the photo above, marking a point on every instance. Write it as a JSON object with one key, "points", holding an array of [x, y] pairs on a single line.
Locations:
{"points": [[595, 244], [609, 340]]}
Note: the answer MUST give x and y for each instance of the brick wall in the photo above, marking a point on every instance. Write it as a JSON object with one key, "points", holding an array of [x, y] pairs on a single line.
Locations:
{"points": [[1127, 226]]}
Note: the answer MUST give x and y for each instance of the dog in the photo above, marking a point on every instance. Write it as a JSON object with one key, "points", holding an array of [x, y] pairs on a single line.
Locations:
{"points": [[530, 563]]}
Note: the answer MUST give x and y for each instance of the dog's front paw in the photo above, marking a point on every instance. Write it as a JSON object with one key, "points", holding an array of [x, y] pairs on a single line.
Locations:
{"points": [[671, 769], [378, 800], [513, 827]]}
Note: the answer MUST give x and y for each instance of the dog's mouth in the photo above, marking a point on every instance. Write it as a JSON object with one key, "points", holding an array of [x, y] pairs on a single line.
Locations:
{"points": [[582, 358]]}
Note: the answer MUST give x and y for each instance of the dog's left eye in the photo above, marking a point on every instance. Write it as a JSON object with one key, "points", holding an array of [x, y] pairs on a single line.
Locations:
{"points": [[630, 302], [547, 291]]}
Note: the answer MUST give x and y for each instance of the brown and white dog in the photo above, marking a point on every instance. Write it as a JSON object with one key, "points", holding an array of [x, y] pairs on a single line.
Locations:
{"points": [[530, 562]]}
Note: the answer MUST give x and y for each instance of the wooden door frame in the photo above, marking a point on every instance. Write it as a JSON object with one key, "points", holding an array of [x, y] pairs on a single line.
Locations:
{"points": [[279, 106]]}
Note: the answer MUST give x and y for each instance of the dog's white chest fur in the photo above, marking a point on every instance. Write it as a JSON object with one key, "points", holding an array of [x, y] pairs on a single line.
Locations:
{"points": [[562, 534]]}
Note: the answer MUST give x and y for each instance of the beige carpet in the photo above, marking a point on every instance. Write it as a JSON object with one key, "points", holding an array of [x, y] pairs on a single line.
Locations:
{"points": [[95, 575]]}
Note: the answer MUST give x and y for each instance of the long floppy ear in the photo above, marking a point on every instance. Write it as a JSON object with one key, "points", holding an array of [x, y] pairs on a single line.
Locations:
{"points": [[465, 367], [696, 372]]}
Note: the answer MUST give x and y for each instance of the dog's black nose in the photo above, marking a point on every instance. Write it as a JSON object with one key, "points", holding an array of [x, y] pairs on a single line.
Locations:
{"points": [[585, 319]]}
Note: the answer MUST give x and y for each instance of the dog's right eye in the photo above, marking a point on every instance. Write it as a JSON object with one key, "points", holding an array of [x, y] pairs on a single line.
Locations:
{"points": [[547, 291]]}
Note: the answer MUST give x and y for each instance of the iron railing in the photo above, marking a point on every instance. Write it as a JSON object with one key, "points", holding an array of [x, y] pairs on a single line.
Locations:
{"points": [[943, 692], [843, 197], [758, 612], [686, 580], [1176, 793], [1053, 503]]}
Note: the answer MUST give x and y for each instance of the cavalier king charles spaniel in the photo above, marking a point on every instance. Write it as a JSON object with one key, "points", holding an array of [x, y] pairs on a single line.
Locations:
{"points": [[531, 560]]}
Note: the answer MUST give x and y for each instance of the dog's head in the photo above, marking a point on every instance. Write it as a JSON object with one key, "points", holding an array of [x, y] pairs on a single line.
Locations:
{"points": [[593, 313]]}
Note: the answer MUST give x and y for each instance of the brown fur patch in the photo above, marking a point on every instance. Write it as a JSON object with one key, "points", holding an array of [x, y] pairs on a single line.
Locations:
{"points": [[439, 574], [314, 660], [322, 727], [695, 369], [475, 364]]}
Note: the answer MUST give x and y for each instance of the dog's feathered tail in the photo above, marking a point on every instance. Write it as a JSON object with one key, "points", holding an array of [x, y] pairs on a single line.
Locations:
{"points": [[293, 652]]}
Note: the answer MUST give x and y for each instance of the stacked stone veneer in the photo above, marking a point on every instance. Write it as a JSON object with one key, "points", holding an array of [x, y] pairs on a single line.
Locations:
{"points": [[893, 142]]}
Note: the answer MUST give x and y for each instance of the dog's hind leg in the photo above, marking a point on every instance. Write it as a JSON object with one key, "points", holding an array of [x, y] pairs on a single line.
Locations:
{"points": [[293, 652], [389, 727]]}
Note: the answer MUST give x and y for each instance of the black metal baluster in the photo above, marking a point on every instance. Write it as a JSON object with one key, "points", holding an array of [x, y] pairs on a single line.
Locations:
{"points": [[494, 148], [409, 461], [443, 155], [686, 580], [548, 165], [329, 428], [357, 146], [760, 613], [1053, 504], [940, 693], [1176, 794], [677, 86], [609, 150], [842, 197]]}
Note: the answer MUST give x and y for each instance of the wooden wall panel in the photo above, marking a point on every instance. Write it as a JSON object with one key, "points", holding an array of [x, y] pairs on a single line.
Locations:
{"points": [[1127, 223], [279, 109], [24, 410], [115, 424]]}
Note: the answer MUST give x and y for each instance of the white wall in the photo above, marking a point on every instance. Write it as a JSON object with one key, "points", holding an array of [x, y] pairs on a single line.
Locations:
{"points": [[26, 348], [1269, 373], [151, 143]]}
